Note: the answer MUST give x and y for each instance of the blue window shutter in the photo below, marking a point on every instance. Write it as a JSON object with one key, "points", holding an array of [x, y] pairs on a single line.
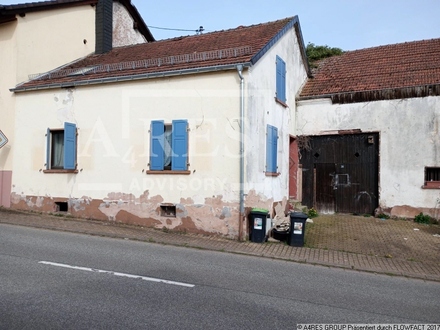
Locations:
{"points": [[48, 150], [269, 146], [274, 148], [281, 79], [271, 149], [69, 146], [179, 156], [157, 142]]}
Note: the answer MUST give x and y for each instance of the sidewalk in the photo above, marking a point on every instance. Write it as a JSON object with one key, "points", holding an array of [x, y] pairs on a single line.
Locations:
{"points": [[393, 247]]}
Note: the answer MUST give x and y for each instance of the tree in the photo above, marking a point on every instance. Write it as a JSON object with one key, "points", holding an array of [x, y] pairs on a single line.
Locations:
{"points": [[316, 53]]}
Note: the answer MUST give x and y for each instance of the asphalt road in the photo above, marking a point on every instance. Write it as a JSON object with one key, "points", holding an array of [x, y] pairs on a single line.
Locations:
{"points": [[57, 280]]}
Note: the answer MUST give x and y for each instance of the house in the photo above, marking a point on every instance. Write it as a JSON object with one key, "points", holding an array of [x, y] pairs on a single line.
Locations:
{"points": [[368, 126], [39, 36], [186, 134]]}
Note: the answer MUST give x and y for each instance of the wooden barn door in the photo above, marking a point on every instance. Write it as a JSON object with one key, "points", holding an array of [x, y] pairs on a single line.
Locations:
{"points": [[341, 173]]}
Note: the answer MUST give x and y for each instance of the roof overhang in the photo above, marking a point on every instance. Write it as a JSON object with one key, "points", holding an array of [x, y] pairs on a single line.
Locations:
{"points": [[294, 23], [378, 95], [171, 73]]}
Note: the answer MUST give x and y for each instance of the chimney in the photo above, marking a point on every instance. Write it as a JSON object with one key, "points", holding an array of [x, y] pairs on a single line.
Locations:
{"points": [[104, 26]]}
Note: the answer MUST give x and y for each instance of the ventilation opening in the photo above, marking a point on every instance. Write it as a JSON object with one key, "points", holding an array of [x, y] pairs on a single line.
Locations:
{"points": [[167, 210], [61, 207], [432, 174]]}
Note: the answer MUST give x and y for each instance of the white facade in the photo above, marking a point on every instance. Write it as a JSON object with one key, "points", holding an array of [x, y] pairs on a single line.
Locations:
{"points": [[113, 122], [262, 109], [114, 181], [409, 141]]}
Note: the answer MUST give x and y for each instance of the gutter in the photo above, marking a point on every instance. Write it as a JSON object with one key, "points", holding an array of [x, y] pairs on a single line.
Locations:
{"points": [[131, 78], [241, 212]]}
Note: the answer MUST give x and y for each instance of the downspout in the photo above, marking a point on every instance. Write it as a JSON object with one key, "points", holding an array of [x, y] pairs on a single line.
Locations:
{"points": [[241, 213]]}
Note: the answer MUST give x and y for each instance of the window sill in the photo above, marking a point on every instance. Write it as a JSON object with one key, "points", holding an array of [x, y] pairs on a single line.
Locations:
{"points": [[431, 185], [272, 174], [61, 171], [281, 102], [169, 172]]}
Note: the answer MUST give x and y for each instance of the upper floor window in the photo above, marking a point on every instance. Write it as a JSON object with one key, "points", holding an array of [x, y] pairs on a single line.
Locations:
{"points": [[271, 150], [169, 146], [280, 80], [61, 148]]}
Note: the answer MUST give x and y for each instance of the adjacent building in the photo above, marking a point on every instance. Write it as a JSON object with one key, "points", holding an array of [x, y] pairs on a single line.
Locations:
{"points": [[368, 127], [36, 37]]}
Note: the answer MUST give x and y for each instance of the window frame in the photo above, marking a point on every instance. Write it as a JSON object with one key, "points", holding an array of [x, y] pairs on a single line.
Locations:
{"points": [[179, 147], [70, 145], [271, 151]]}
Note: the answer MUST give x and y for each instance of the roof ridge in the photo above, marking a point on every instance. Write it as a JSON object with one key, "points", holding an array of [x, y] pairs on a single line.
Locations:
{"points": [[182, 37], [226, 30], [392, 45]]}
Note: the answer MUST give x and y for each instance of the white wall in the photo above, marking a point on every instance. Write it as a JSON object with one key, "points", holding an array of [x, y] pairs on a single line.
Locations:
{"points": [[113, 123], [8, 67], [39, 49], [409, 140], [123, 32], [262, 109]]}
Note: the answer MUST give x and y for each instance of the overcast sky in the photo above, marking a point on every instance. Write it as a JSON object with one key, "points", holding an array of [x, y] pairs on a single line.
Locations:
{"points": [[347, 24]]}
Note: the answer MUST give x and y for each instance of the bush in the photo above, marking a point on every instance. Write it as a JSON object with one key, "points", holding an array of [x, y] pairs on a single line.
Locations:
{"points": [[312, 213], [422, 218]]}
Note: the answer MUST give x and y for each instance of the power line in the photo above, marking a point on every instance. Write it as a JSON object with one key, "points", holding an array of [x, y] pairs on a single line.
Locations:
{"points": [[199, 30]]}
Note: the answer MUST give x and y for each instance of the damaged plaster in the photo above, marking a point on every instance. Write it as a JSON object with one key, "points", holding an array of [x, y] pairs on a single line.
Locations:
{"points": [[215, 216]]}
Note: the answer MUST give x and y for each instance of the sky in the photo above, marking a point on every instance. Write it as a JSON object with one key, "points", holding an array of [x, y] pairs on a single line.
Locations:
{"points": [[346, 24]]}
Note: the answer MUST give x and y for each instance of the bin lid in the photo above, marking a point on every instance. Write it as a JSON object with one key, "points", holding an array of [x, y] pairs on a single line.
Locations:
{"points": [[258, 210], [298, 215]]}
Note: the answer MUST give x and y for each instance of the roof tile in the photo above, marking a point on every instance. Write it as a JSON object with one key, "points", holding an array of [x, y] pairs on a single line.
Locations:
{"points": [[394, 66], [225, 47]]}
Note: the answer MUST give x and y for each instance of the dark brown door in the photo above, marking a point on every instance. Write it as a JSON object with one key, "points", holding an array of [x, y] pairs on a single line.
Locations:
{"points": [[341, 173]]}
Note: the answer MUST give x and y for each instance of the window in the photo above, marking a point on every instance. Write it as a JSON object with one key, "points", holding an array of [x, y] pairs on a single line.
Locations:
{"points": [[281, 80], [169, 146], [432, 177], [61, 148], [271, 149]]}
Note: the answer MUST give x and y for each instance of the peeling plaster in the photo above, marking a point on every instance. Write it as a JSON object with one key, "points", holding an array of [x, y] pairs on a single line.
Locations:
{"points": [[123, 32], [216, 216], [65, 110]]}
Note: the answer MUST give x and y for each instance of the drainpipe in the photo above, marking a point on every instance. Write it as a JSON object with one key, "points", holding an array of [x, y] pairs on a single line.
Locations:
{"points": [[241, 214]]}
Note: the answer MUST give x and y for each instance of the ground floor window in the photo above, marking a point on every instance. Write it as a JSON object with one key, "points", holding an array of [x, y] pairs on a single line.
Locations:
{"points": [[169, 145], [61, 148]]}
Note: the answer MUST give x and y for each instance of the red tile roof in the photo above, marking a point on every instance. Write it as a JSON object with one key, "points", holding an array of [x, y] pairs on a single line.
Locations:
{"points": [[210, 50], [405, 65]]}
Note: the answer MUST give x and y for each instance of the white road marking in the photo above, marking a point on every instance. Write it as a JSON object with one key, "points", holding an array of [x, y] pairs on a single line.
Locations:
{"points": [[137, 277]]}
